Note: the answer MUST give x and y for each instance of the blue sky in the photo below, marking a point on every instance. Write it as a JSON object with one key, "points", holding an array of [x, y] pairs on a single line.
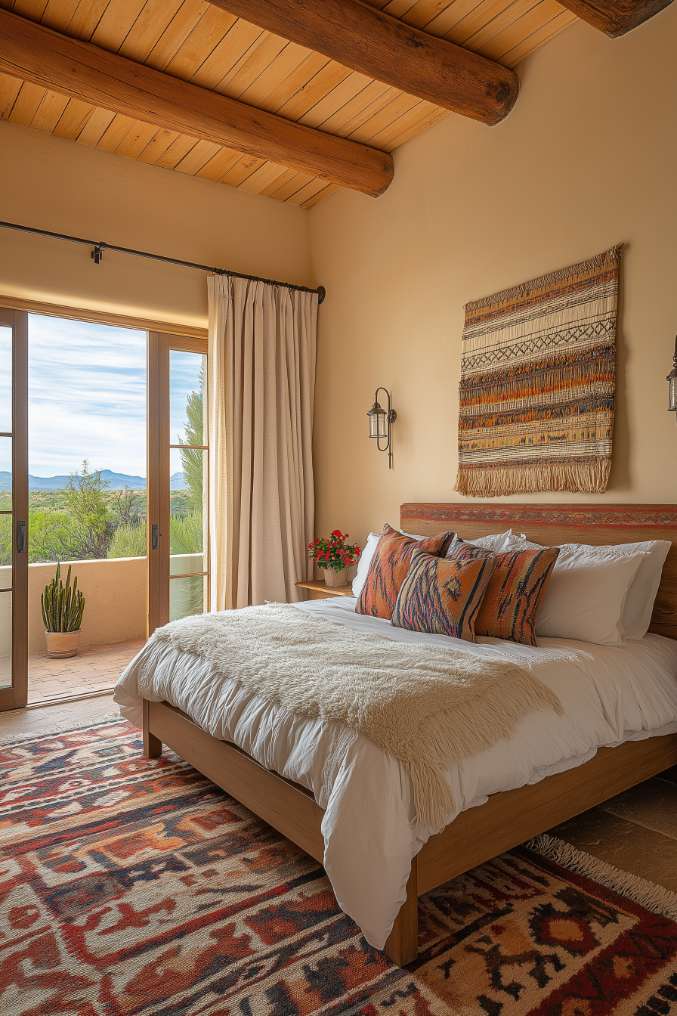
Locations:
{"points": [[87, 396]]}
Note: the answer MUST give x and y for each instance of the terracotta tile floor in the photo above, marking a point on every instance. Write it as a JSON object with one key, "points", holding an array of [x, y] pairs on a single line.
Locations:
{"points": [[91, 670]]}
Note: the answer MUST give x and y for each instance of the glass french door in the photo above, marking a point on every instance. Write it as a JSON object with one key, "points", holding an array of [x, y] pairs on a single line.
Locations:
{"points": [[178, 484], [175, 518], [13, 509]]}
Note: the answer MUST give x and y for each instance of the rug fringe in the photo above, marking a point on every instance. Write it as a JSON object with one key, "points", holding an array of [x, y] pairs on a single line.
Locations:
{"points": [[655, 898], [50, 731]]}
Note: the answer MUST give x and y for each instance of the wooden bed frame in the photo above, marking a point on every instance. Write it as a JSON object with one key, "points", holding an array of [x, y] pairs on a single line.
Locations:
{"points": [[509, 818]]}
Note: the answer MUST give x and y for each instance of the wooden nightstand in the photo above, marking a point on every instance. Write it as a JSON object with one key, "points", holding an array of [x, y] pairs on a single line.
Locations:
{"points": [[320, 590]]}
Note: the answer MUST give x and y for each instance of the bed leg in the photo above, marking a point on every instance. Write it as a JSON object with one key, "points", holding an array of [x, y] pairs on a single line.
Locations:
{"points": [[402, 944], [152, 745]]}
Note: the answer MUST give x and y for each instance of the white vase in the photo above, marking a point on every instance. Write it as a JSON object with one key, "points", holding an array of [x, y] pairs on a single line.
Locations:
{"points": [[334, 578], [62, 644]]}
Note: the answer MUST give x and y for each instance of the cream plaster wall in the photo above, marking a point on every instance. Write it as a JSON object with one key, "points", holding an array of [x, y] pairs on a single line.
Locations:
{"points": [[66, 187], [587, 159]]}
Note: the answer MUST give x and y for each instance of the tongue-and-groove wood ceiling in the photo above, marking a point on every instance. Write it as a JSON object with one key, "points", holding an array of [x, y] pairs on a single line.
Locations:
{"points": [[198, 42]]}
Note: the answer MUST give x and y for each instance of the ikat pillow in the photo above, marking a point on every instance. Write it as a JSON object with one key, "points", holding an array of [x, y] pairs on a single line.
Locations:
{"points": [[443, 595], [389, 566], [514, 593]]}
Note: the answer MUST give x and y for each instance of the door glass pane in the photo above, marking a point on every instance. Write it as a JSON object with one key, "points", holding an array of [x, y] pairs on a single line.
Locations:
{"points": [[5, 551], [87, 444], [5, 472], [5, 378], [188, 542], [88, 493], [187, 403], [187, 596], [187, 522], [5, 640]]}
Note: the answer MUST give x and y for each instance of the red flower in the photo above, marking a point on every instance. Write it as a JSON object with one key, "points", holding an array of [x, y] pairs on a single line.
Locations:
{"points": [[333, 551]]}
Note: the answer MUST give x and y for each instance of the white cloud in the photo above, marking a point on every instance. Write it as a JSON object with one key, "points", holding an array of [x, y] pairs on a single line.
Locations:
{"points": [[87, 396]]}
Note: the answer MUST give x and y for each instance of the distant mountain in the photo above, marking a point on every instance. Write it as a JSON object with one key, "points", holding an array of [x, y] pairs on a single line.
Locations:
{"points": [[112, 480], [117, 481]]}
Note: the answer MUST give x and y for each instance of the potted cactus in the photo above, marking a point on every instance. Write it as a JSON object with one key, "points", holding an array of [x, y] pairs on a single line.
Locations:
{"points": [[62, 608]]}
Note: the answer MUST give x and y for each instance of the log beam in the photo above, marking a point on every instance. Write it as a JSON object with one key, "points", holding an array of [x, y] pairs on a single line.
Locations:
{"points": [[367, 40], [615, 17], [34, 53]]}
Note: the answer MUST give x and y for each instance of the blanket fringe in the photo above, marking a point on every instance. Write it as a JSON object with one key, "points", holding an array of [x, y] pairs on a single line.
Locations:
{"points": [[500, 710]]}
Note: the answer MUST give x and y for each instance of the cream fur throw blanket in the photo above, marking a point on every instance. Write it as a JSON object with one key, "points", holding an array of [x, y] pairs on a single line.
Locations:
{"points": [[427, 706]]}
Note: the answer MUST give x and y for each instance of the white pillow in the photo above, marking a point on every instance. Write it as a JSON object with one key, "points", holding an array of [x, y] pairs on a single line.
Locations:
{"points": [[365, 560], [642, 595], [496, 542], [643, 590], [585, 596]]}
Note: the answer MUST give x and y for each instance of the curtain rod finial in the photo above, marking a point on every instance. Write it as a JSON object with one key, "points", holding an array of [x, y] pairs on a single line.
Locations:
{"points": [[321, 294]]}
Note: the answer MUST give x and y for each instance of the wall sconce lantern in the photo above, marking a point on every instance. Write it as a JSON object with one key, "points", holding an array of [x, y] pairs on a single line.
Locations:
{"points": [[672, 384], [380, 424]]}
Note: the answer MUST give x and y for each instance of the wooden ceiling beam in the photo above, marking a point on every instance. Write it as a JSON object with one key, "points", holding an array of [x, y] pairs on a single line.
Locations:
{"points": [[367, 40], [83, 71], [615, 17]]}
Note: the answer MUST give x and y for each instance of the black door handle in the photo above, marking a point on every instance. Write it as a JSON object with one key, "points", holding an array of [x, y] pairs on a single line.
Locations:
{"points": [[154, 536], [20, 537]]}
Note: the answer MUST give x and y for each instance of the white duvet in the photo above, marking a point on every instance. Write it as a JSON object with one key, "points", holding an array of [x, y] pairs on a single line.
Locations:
{"points": [[609, 695]]}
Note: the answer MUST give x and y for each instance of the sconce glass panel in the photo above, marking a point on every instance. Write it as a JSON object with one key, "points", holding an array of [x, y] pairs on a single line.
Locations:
{"points": [[378, 423]]}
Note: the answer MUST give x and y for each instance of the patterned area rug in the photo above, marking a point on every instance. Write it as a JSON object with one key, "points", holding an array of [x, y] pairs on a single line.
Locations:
{"points": [[134, 887]]}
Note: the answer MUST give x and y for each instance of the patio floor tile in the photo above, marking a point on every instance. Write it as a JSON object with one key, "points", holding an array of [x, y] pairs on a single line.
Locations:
{"points": [[92, 670]]}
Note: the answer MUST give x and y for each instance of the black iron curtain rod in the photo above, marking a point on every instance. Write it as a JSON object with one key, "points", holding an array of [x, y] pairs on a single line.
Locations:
{"points": [[99, 246]]}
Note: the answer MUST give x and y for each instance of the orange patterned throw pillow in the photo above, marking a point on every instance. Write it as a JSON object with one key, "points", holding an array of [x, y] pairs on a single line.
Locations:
{"points": [[442, 595], [514, 593], [389, 567]]}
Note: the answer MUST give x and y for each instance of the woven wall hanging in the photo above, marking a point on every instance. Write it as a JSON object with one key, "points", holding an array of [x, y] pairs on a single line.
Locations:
{"points": [[538, 382]]}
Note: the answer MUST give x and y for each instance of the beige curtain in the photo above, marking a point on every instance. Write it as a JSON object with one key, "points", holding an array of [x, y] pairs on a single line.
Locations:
{"points": [[262, 347]]}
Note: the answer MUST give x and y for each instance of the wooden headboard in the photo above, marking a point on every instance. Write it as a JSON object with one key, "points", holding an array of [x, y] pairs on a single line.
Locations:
{"points": [[564, 523]]}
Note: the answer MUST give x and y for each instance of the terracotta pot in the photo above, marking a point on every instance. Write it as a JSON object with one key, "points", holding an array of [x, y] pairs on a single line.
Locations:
{"points": [[61, 644], [334, 578]]}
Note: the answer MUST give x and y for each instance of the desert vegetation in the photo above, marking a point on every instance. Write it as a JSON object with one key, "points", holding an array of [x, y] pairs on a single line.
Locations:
{"points": [[87, 520]]}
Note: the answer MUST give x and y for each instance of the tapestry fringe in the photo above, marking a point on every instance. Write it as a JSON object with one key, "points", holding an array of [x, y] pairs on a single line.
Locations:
{"points": [[655, 898], [591, 477]]}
